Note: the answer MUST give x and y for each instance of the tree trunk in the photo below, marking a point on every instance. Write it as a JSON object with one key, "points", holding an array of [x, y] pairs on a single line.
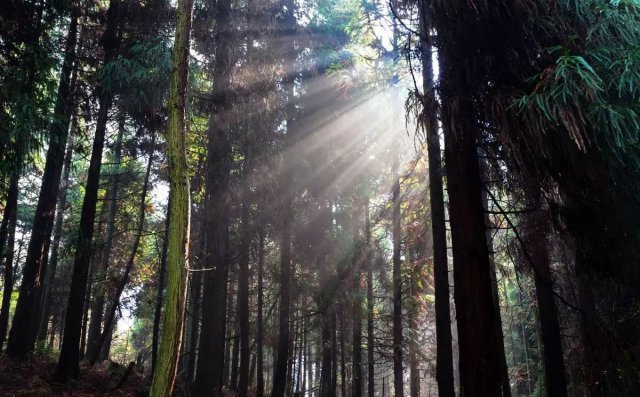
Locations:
{"points": [[109, 324], [359, 255], [343, 356], [102, 265], [25, 319], [371, 375], [164, 374], [7, 246], [161, 285], [444, 355], [414, 372], [57, 234], [210, 368], [259, 321], [536, 243], [398, 379], [476, 315], [243, 295]]}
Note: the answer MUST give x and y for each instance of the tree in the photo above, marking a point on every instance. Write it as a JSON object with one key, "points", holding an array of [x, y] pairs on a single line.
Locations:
{"points": [[178, 236]]}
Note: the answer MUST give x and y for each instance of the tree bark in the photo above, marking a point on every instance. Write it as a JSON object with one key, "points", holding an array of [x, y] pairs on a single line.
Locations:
{"points": [[210, 369], [57, 235], [444, 351], [7, 246], [243, 295], [370, 304], [259, 321], [537, 233], [178, 242], [25, 320], [398, 378]]}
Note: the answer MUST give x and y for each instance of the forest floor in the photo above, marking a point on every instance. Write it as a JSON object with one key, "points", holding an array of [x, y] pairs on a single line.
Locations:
{"points": [[33, 378]]}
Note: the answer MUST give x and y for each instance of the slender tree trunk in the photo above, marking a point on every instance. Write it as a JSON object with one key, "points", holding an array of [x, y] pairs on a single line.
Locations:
{"points": [[25, 319], [243, 295], [343, 357], [414, 372], [444, 355], [552, 357], [102, 265], [398, 378], [334, 353], [164, 374], [86, 306], [161, 285], [259, 321], [359, 255], [57, 234], [7, 246], [109, 324], [370, 303]]}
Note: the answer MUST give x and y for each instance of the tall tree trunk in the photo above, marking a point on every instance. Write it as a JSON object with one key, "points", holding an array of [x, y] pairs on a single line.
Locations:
{"points": [[164, 374], [359, 255], [476, 315], [398, 378], [243, 295], [57, 233], [444, 355], [536, 242], [260, 321], [102, 265], [109, 324], [343, 356], [371, 375], [210, 368], [161, 285], [25, 319], [414, 372], [7, 246]]}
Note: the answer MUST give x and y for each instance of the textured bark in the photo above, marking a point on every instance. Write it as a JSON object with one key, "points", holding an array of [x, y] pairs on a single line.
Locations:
{"points": [[444, 355], [477, 336], [7, 245], [25, 320], [178, 242]]}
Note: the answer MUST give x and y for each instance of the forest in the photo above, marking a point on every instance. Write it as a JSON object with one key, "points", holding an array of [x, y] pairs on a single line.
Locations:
{"points": [[319, 198]]}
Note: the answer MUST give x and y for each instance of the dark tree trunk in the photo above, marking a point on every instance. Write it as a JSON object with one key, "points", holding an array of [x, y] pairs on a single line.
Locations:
{"points": [[7, 246], [109, 324], [356, 383], [57, 234], [102, 265], [414, 372], [210, 368], [25, 319], [161, 275], [444, 355], [476, 315], [398, 378], [243, 296], [334, 353], [370, 303], [69, 360], [326, 343], [536, 240], [259, 321], [343, 356]]}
